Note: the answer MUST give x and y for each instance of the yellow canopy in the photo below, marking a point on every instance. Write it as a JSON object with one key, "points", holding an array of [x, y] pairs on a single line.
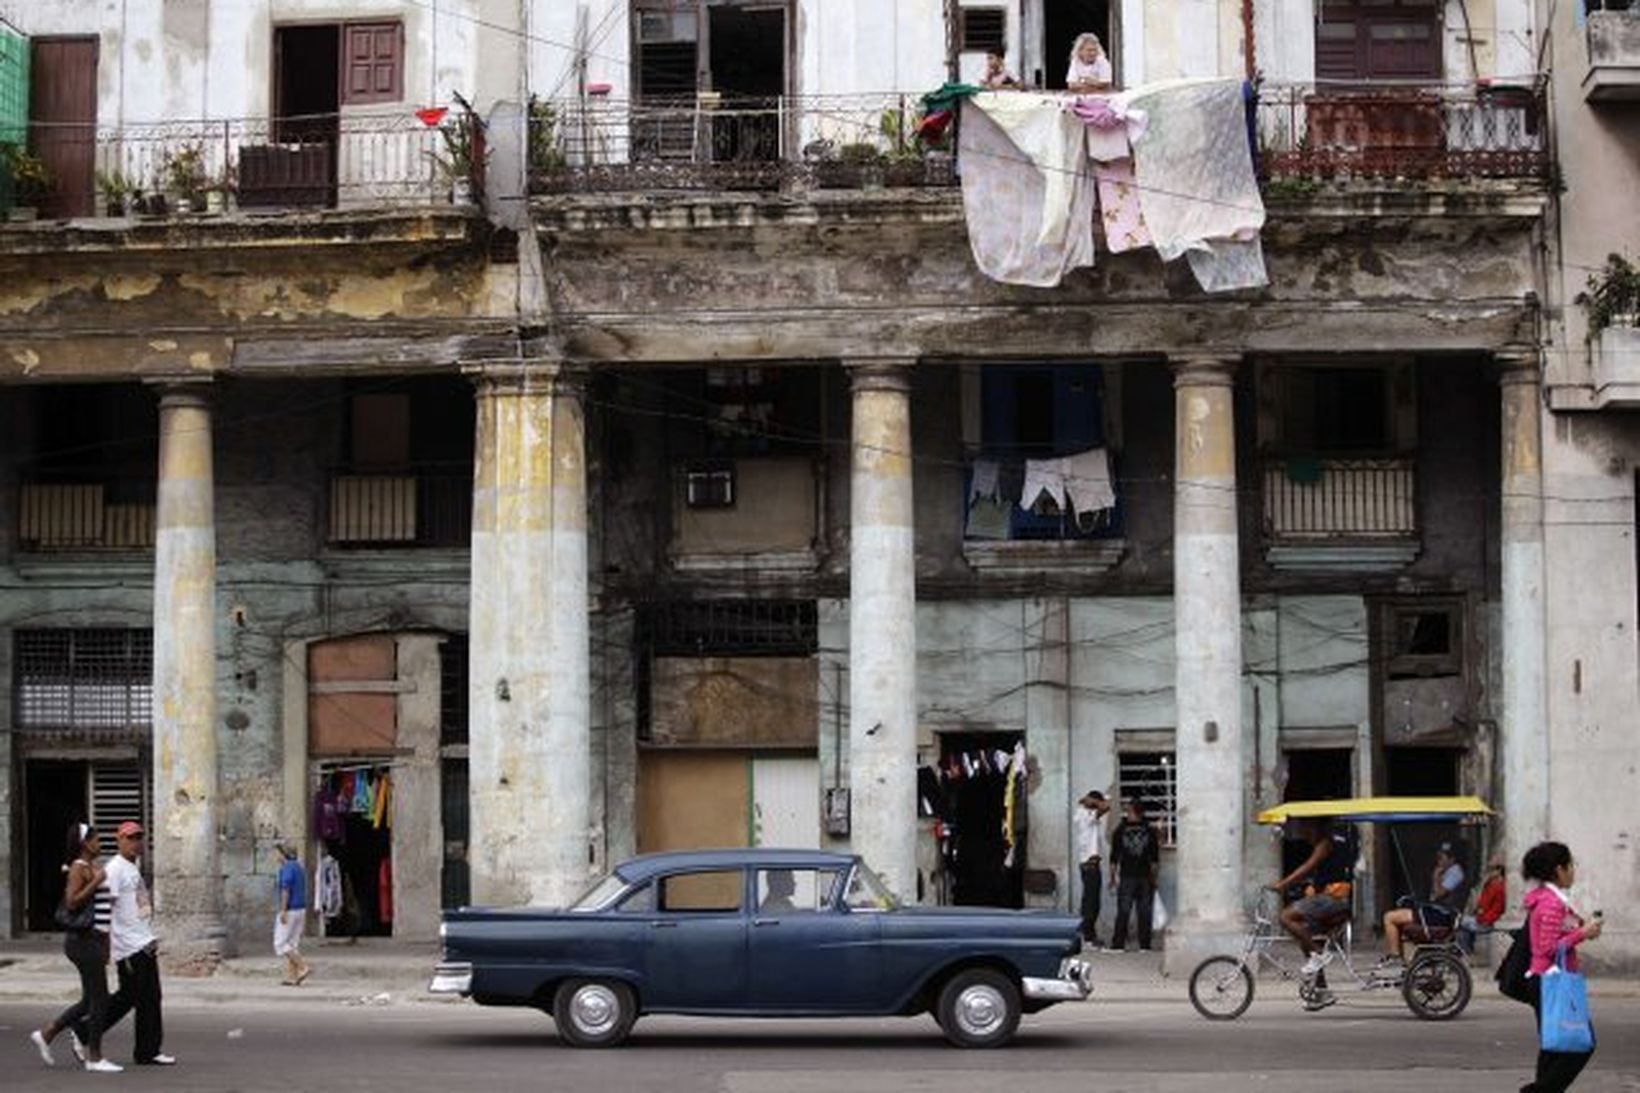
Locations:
{"points": [[1379, 809]]}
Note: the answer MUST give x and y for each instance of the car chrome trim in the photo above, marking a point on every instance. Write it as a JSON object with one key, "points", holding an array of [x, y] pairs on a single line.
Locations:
{"points": [[1074, 983], [452, 977]]}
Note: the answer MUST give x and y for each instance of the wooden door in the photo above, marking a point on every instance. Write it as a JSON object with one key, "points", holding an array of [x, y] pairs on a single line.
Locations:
{"points": [[63, 121]]}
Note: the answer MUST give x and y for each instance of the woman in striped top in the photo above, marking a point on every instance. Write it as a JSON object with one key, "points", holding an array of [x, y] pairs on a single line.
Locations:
{"points": [[85, 881]]}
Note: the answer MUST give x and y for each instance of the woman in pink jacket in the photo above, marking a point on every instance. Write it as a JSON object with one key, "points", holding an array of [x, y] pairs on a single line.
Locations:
{"points": [[1553, 923]]}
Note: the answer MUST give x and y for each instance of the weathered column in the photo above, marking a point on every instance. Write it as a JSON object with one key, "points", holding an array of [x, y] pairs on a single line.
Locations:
{"points": [[882, 642], [187, 879], [529, 704], [1207, 669], [1523, 725]]}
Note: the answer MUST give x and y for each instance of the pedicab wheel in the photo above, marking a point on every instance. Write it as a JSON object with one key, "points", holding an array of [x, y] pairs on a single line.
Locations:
{"points": [[1436, 986], [1221, 988], [594, 1012], [978, 1007]]}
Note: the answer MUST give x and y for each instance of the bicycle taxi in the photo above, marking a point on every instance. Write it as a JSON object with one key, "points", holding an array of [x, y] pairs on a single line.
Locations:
{"points": [[1434, 982]]}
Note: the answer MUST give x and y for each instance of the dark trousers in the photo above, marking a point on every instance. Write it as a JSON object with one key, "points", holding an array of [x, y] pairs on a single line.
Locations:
{"points": [[1133, 894], [1092, 887], [139, 991], [89, 1016], [1556, 1070]]}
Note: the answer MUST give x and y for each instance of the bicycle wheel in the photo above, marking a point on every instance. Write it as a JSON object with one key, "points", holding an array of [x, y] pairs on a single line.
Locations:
{"points": [[1437, 986], [1221, 988]]}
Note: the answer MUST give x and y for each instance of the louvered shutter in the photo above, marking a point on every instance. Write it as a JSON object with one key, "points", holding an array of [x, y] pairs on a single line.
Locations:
{"points": [[119, 792], [372, 63]]}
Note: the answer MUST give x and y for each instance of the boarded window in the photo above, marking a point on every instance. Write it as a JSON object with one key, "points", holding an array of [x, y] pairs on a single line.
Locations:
{"points": [[353, 696], [372, 63], [84, 679], [984, 30]]}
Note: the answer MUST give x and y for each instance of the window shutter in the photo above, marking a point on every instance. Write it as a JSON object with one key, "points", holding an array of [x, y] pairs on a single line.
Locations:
{"points": [[372, 63], [119, 792]]}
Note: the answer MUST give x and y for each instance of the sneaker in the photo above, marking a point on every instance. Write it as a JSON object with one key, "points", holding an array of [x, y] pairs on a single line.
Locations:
{"points": [[1317, 961], [42, 1047], [104, 1066], [163, 1060], [76, 1046], [1319, 1000]]}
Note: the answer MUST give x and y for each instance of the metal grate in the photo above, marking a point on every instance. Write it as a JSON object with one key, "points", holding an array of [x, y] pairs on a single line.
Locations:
{"points": [[691, 628], [84, 679], [1151, 776], [452, 683], [984, 30]]}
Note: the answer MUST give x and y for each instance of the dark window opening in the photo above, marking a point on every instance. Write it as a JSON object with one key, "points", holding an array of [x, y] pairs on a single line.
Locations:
{"points": [[1336, 410], [452, 681], [1315, 774], [693, 628], [1062, 21], [728, 413], [1425, 641], [984, 30]]}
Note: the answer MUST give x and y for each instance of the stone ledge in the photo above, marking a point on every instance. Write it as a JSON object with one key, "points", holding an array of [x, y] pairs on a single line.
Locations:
{"points": [[768, 561], [1009, 558], [1354, 557]]}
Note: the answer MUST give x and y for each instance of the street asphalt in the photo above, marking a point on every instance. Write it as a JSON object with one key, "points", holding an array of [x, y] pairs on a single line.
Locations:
{"points": [[1105, 1046]]}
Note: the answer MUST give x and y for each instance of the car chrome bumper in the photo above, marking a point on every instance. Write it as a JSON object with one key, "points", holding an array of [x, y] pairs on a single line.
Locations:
{"points": [[452, 977], [1074, 983]]}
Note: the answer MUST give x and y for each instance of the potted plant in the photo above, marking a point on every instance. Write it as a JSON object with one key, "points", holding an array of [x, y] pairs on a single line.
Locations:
{"points": [[118, 192], [455, 165], [30, 180], [865, 161], [185, 177], [546, 154], [220, 190], [1612, 296]]}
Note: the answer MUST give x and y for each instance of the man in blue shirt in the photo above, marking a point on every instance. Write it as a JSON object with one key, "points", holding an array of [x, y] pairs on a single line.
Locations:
{"points": [[287, 924]]}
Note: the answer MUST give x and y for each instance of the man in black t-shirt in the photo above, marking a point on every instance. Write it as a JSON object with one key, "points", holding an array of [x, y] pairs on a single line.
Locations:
{"points": [[1329, 871], [1135, 857]]}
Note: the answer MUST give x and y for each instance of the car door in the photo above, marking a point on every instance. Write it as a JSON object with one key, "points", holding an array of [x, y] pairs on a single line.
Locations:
{"points": [[695, 959], [807, 952]]}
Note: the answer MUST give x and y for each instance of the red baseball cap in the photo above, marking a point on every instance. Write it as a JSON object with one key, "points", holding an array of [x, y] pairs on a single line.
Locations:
{"points": [[129, 827]]}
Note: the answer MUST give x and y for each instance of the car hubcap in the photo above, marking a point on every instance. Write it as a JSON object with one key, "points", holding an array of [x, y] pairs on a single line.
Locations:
{"points": [[981, 1010], [595, 1009]]}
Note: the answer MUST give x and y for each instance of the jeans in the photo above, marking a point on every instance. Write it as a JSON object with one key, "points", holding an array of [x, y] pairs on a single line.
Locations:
{"points": [[139, 991], [89, 1016], [1556, 1070], [1131, 891], [1092, 888]]}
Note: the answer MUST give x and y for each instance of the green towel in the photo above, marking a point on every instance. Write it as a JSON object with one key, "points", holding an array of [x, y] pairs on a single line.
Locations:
{"points": [[949, 96], [1304, 469]]}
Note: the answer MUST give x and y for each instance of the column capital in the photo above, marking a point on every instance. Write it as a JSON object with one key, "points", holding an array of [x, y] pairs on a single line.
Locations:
{"points": [[1204, 369], [527, 376], [181, 390], [1519, 363], [880, 373]]}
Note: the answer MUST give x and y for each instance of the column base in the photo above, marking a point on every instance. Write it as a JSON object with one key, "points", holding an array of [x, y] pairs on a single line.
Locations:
{"points": [[1189, 943]]}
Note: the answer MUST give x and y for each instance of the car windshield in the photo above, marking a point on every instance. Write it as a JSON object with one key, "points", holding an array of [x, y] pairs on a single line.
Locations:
{"points": [[600, 895], [867, 892]]}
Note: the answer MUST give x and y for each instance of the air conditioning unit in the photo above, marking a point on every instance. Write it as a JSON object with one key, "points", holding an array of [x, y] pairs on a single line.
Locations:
{"points": [[710, 487]]}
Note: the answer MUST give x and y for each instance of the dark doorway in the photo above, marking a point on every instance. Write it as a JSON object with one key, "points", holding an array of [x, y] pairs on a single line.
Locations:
{"points": [[1062, 21], [298, 165], [54, 796], [975, 851], [63, 121], [1422, 772], [1315, 774], [748, 62]]}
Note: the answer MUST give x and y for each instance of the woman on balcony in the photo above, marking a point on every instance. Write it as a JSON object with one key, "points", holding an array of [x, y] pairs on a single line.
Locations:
{"points": [[1089, 68]]}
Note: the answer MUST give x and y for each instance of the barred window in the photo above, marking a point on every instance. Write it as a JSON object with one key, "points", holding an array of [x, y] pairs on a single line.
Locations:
{"points": [[697, 628], [84, 679], [1150, 776]]}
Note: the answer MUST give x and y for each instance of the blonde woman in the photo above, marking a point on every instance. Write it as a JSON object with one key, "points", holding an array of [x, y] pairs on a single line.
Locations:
{"points": [[1089, 68]]}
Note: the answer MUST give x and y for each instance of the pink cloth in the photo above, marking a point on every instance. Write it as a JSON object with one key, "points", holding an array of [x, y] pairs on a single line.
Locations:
{"points": [[1119, 209], [1550, 924]]}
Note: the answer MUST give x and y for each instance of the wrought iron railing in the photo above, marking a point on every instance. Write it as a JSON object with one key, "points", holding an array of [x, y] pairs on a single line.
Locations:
{"points": [[1401, 131], [1308, 498], [85, 515], [415, 507]]}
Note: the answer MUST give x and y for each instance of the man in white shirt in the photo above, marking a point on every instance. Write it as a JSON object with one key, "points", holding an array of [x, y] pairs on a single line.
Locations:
{"points": [[1088, 823], [131, 946]]}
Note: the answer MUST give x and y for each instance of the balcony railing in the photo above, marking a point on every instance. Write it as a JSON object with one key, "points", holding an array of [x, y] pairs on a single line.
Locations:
{"points": [[75, 516], [417, 507], [1613, 36], [1401, 132], [1305, 131], [1311, 500]]}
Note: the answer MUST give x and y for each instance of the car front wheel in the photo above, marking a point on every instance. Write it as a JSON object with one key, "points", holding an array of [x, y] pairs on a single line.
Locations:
{"points": [[594, 1012], [979, 1008]]}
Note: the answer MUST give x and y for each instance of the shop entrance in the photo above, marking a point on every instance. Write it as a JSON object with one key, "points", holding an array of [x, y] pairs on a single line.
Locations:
{"points": [[60, 792], [353, 808], [974, 776]]}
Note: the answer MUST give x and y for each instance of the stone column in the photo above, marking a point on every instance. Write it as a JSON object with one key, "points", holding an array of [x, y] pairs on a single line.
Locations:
{"points": [[183, 844], [1524, 722], [882, 642], [529, 703], [1207, 668]]}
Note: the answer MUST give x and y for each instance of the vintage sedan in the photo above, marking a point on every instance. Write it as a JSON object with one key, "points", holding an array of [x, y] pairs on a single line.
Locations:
{"points": [[760, 933]]}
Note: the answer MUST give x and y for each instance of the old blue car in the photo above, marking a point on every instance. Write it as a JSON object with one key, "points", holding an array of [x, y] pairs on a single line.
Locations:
{"points": [[760, 933]]}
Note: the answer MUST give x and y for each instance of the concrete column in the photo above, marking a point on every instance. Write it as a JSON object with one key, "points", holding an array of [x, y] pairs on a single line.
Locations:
{"points": [[529, 703], [1207, 667], [882, 643], [183, 844], [1524, 724]]}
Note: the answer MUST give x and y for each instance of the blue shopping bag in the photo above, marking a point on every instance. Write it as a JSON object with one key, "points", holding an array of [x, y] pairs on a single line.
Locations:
{"points": [[1565, 1021]]}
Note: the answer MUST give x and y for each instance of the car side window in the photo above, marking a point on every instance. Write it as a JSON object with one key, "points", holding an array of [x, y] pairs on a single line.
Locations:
{"points": [[708, 891], [790, 891], [641, 901]]}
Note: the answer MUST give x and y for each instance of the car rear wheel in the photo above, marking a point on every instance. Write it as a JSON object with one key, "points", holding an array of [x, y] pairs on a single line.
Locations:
{"points": [[594, 1012], [979, 1007]]}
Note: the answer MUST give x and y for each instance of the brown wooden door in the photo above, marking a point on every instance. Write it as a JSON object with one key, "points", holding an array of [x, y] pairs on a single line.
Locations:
{"points": [[63, 117]]}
